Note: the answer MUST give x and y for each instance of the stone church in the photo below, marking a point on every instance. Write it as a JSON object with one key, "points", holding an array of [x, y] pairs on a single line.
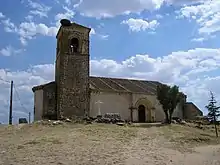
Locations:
{"points": [[75, 93]]}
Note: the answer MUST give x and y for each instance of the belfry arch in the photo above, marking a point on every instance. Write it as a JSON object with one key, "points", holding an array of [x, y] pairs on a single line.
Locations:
{"points": [[74, 45]]}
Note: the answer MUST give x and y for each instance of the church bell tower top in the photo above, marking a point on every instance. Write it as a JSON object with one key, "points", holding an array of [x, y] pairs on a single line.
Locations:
{"points": [[65, 23]]}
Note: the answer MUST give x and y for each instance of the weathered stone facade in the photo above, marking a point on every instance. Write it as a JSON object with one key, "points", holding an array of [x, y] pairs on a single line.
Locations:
{"points": [[119, 99], [191, 111], [45, 101], [72, 71], [75, 94], [49, 103]]}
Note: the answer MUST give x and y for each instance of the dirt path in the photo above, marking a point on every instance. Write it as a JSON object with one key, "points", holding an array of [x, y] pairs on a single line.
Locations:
{"points": [[153, 151]]}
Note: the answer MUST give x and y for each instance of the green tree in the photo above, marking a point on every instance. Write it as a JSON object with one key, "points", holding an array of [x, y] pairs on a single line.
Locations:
{"points": [[213, 111], [168, 97]]}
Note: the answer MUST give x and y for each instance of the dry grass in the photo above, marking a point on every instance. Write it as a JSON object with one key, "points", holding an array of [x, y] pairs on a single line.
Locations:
{"points": [[189, 134], [185, 138], [94, 144]]}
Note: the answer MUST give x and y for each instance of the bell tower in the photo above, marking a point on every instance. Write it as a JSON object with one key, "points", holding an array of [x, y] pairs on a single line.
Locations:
{"points": [[72, 70]]}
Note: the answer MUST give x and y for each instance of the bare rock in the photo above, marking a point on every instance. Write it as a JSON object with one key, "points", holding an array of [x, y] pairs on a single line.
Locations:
{"points": [[120, 124], [68, 120], [57, 122], [183, 122], [174, 121]]}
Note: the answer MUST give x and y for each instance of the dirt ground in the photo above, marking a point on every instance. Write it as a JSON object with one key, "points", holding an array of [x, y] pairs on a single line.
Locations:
{"points": [[74, 144]]}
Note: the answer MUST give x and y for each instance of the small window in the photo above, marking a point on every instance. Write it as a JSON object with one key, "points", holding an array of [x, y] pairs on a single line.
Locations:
{"points": [[74, 45]]}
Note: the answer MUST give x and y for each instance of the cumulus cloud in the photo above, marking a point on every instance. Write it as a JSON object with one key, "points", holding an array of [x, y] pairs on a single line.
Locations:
{"points": [[188, 69], [9, 26], [38, 9], [106, 8], [158, 16], [2, 15], [200, 39], [104, 37], [137, 25], [68, 14], [9, 51], [92, 31], [28, 30], [206, 15], [23, 82]]}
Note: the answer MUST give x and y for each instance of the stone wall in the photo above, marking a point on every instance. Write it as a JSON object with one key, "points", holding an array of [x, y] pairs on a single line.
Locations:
{"points": [[49, 101], [38, 104], [72, 73], [113, 102], [191, 111], [74, 87], [157, 113]]}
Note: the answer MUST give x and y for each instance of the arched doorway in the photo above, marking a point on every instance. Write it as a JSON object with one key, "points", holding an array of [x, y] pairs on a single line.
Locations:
{"points": [[141, 114]]}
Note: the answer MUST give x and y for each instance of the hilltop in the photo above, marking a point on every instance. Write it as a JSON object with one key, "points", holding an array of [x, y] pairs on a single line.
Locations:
{"points": [[106, 144]]}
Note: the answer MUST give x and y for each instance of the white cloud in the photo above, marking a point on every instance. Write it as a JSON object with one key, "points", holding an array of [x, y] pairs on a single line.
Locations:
{"points": [[106, 8], [104, 37], [184, 2], [137, 25], [201, 39], [92, 31], [28, 30], [158, 16], [38, 9], [29, 18], [9, 26], [68, 2], [187, 69], [10, 51], [68, 14], [2, 15], [23, 82], [207, 16]]}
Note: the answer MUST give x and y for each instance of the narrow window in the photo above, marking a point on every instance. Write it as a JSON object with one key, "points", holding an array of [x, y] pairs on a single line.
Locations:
{"points": [[74, 45]]}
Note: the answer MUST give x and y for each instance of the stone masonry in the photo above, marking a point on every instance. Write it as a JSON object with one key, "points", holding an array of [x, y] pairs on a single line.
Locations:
{"points": [[72, 72], [74, 94], [49, 103]]}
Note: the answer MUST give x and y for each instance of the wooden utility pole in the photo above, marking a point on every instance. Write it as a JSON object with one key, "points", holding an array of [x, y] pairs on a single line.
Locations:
{"points": [[10, 107], [29, 118], [216, 129]]}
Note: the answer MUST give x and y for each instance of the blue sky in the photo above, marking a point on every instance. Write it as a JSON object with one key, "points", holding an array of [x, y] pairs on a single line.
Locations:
{"points": [[171, 41]]}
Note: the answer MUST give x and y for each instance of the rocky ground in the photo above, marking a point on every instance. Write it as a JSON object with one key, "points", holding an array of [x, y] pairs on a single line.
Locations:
{"points": [[68, 144]]}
